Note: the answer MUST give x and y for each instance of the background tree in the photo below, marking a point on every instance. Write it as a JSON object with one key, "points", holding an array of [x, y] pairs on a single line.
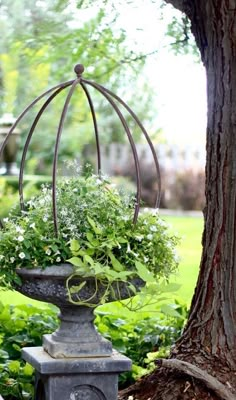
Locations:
{"points": [[203, 363], [42, 42]]}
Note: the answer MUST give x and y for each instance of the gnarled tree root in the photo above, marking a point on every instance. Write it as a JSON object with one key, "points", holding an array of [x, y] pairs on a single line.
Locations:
{"points": [[211, 383]]}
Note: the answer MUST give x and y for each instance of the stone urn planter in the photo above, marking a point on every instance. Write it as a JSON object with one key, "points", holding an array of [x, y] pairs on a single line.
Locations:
{"points": [[76, 335], [79, 243]]}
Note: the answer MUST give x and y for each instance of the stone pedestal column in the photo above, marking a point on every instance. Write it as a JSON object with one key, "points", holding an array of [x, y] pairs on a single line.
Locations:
{"points": [[94, 378]]}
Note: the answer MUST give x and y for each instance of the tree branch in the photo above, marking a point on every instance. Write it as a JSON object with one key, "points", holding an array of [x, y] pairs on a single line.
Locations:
{"points": [[211, 383], [179, 4]]}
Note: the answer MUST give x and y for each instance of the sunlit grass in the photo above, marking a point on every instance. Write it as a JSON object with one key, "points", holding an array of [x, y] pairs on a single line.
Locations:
{"points": [[190, 229]]}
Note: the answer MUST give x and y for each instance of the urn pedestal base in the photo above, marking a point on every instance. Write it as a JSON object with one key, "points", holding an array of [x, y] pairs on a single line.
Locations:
{"points": [[94, 378]]}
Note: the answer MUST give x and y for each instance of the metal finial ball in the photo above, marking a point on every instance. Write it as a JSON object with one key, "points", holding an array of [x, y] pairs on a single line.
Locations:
{"points": [[79, 69]]}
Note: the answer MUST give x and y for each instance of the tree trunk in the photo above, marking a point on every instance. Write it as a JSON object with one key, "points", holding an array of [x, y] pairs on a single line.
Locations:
{"points": [[209, 339]]}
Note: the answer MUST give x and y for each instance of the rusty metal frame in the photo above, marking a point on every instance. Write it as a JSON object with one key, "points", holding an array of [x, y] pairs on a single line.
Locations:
{"points": [[115, 102]]}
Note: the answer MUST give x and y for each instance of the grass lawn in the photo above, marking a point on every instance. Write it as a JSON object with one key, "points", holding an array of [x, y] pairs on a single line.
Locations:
{"points": [[190, 230]]}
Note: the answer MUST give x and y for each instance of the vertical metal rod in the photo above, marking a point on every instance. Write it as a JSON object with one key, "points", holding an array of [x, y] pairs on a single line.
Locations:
{"points": [[132, 144], [55, 158], [95, 126]]}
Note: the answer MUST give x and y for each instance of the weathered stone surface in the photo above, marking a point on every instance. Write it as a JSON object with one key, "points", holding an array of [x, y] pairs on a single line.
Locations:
{"points": [[76, 335], [76, 379], [49, 285]]}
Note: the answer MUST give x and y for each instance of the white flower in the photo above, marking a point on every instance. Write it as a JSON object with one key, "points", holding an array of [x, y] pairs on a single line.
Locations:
{"points": [[12, 259], [64, 212], [22, 255], [45, 218], [155, 211], [145, 259], [153, 228], [58, 259], [139, 238], [32, 225], [20, 238], [5, 219], [1, 257], [48, 251], [19, 229], [149, 236]]}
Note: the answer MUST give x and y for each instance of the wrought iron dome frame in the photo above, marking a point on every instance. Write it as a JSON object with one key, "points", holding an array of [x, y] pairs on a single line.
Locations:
{"points": [[112, 98]]}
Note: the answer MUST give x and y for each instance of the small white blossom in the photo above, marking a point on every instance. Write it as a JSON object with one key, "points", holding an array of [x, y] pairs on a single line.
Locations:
{"points": [[153, 228], [19, 229], [32, 225], [48, 251], [20, 238], [64, 212], [155, 211], [12, 259], [149, 236], [22, 255], [41, 202], [139, 238], [58, 259], [1, 257], [45, 218], [5, 219]]}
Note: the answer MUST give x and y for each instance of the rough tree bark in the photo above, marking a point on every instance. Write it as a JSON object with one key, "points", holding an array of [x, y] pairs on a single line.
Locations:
{"points": [[209, 339]]}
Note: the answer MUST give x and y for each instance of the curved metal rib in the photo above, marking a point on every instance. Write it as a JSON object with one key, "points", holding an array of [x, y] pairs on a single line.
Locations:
{"points": [[157, 167], [132, 144], [28, 140], [55, 158], [94, 125], [27, 109]]}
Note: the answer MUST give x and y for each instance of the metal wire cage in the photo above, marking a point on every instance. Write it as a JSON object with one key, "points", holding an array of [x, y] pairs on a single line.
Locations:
{"points": [[116, 103]]}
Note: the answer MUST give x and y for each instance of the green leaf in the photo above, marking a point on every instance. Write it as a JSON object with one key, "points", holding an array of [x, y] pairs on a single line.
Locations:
{"points": [[115, 263], [76, 261], [3, 355], [14, 366], [27, 370], [74, 246], [96, 229], [169, 310], [88, 259], [170, 287], [77, 288], [143, 272]]}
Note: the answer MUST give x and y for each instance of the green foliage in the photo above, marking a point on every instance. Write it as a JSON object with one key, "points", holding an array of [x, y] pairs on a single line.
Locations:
{"points": [[183, 42], [9, 196], [20, 326], [96, 234], [143, 339]]}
